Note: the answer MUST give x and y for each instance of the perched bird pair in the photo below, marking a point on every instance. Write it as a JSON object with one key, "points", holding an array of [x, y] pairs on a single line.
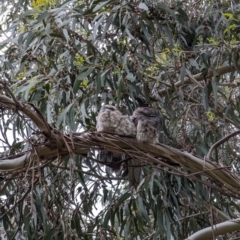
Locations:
{"points": [[145, 124]]}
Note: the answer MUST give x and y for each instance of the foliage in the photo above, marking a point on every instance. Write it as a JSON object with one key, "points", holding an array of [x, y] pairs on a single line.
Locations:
{"points": [[68, 58]]}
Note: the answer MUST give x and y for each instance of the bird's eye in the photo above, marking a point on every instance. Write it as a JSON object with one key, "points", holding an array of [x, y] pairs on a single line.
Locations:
{"points": [[135, 121]]}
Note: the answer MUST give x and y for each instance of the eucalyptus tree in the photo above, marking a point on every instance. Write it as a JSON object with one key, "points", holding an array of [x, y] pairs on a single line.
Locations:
{"points": [[61, 61]]}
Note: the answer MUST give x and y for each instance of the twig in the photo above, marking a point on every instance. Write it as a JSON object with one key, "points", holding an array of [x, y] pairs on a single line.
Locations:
{"points": [[198, 77], [205, 170], [21, 199], [193, 215], [228, 84], [193, 79], [224, 139], [4, 83]]}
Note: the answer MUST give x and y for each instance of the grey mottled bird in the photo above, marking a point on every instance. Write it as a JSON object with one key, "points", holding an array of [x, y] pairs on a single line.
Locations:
{"points": [[111, 120], [146, 124], [149, 123]]}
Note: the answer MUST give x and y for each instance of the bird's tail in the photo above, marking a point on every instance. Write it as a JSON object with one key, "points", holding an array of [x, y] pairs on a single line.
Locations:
{"points": [[134, 173]]}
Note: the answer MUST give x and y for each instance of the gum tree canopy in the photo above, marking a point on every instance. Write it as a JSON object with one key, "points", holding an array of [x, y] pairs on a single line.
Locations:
{"points": [[61, 61]]}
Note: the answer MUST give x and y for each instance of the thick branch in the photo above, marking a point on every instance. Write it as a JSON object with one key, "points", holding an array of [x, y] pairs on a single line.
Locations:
{"points": [[148, 154], [14, 163], [219, 229], [35, 116]]}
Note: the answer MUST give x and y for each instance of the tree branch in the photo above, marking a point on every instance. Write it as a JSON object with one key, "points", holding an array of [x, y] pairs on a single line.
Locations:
{"points": [[198, 77], [221, 141], [14, 163], [145, 153], [218, 229], [36, 117], [59, 145]]}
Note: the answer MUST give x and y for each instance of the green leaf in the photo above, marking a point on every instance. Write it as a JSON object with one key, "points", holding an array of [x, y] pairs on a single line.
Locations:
{"points": [[65, 33], [107, 218], [120, 91], [127, 229], [124, 197], [205, 94], [141, 208], [100, 6], [182, 15], [63, 115], [182, 73], [143, 6], [84, 73]]}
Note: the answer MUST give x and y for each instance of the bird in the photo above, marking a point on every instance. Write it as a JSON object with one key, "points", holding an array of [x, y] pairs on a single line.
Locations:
{"points": [[111, 120], [148, 122], [110, 159]]}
